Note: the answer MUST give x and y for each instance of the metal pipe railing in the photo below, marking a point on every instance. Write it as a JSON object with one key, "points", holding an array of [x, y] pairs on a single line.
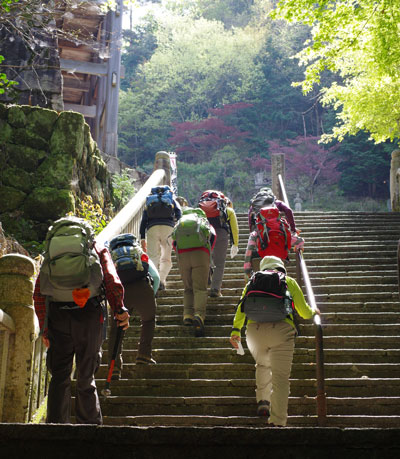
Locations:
{"points": [[302, 272]]}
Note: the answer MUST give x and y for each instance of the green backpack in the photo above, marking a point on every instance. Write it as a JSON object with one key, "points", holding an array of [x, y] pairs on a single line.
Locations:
{"points": [[70, 260], [192, 230]]}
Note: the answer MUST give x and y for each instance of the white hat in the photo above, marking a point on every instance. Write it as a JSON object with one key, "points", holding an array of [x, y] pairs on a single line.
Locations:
{"points": [[271, 262]]}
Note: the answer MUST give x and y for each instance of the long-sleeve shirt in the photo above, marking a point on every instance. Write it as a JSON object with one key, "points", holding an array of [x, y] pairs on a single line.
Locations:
{"points": [[300, 304], [232, 221], [282, 207], [147, 222], [251, 252], [113, 287]]}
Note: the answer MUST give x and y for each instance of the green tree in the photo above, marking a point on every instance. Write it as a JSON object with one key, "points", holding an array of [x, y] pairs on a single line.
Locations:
{"points": [[358, 40], [197, 65]]}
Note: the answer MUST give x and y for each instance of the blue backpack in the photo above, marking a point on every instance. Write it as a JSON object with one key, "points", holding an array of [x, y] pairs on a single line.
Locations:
{"points": [[160, 203], [129, 259]]}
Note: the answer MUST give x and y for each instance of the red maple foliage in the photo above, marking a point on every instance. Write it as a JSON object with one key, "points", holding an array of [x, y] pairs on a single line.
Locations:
{"points": [[197, 140]]}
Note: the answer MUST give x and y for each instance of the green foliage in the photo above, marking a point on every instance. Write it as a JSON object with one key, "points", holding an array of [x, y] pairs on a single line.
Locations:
{"points": [[5, 83], [360, 42], [93, 213], [123, 188]]}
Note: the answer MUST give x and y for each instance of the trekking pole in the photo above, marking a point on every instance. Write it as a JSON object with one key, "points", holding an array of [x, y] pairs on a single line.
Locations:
{"points": [[120, 333]]}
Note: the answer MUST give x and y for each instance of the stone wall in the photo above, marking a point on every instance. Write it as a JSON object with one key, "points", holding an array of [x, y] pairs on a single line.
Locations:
{"points": [[48, 160]]}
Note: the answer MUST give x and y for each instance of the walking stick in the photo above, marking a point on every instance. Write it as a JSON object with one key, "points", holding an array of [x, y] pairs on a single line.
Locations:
{"points": [[120, 333]]}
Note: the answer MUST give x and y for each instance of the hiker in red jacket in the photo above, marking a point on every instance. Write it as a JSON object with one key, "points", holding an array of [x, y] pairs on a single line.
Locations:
{"points": [[75, 328]]}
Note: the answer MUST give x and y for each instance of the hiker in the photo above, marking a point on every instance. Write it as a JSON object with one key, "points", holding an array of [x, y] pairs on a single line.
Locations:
{"points": [[158, 219], [140, 279], [270, 334], [264, 198], [271, 236], [194, 239], [219, 211], [69, 303]]}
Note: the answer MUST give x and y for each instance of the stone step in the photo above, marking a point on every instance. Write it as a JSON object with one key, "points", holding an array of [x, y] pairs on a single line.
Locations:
{"points": [[246, 370], [243, 406], [330, 342], [334, 387], [332, 329]]}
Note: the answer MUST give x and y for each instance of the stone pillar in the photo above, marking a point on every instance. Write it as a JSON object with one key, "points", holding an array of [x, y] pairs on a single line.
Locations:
{"points": [[395, 181], [277, 167], [16, 290], [163, 161]]}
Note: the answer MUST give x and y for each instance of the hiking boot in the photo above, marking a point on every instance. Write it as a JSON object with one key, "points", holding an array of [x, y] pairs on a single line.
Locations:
{"points": [[214, 293], [187, 321], [198, 326], [142, 360], [116, 374], [162, 286], [263, 408]]}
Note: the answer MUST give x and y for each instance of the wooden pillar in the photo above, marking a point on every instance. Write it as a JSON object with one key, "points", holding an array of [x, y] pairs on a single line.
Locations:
{"points": [[163, 161], [113, 80], [277, 167], [395, 181]]}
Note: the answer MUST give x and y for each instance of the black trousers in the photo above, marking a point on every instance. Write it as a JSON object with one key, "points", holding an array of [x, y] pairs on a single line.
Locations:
{"points": [[79, 333]]}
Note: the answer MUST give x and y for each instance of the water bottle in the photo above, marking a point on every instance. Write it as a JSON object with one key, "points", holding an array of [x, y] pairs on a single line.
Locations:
{"points": [[288, 303]]}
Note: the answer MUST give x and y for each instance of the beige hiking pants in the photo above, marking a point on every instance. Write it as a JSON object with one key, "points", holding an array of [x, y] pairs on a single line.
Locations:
{"points": [[272, 346], [159, 248]]}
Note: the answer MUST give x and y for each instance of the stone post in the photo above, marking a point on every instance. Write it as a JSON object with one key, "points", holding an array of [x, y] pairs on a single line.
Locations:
{"points": [[163, 161], [277, 167], [16, 290], [395, 181]]}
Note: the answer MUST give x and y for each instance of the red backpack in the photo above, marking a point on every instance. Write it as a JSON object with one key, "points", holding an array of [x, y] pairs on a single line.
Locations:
{"points": [[273, 233], [213, 203]]}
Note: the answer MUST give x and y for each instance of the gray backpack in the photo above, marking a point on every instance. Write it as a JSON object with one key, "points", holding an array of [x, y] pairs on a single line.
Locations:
{"points": [[70, 261]]}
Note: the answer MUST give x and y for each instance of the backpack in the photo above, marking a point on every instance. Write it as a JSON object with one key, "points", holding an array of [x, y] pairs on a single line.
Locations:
{"points": [[192, 230], [273, 233], [263, 198], [267, 297], [214, 205], [70, 261], [160, 203], [129, 259]]}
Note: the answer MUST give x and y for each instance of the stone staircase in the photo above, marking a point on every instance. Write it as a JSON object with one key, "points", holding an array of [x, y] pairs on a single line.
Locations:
{"points": [[352, 262]]}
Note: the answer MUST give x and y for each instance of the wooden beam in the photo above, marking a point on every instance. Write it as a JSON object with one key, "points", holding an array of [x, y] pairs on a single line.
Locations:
{"points": [[89, 68], [75, 84], [86, 110]]}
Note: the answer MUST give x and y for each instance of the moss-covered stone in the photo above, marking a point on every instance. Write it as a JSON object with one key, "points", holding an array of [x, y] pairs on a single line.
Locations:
{"points": [[16, 116], [17, 178], [5, 131], [68, 135], [56, 171], [11, 198], [49, 204], [24, 157], [3, 112], [42, 121], [28, 137], [20, 228]]}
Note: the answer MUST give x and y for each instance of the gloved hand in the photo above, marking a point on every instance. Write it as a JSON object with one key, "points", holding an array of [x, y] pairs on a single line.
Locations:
{"points": [[234, 250]]}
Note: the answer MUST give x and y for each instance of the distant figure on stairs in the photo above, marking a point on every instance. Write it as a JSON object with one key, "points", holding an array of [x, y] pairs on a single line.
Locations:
{"points": [[270, 334], [194, 239], [161, 213], [220, 214]]}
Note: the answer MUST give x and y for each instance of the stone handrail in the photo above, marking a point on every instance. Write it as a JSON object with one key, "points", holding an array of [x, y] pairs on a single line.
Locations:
{"points": [[7, 328]]}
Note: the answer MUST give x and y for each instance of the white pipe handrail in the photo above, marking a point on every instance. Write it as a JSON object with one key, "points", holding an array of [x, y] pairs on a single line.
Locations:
{"points": [[122, 222]]}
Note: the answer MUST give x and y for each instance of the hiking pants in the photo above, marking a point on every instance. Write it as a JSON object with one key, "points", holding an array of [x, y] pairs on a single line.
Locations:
{"points": [[272, 346], [194, 267], [159, 247], [138, 298], [219, 257], [72, 332]]}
